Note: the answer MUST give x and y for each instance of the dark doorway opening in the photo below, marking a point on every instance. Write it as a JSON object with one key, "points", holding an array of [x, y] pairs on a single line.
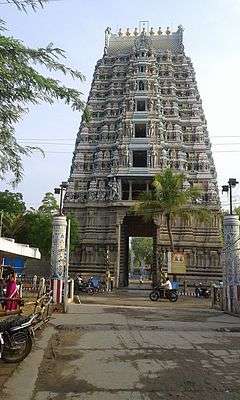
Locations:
{"points": [[140, 130], [140, 158], [141, 85], [141, 105], [135, 226], [125, 190], [137, 189]]}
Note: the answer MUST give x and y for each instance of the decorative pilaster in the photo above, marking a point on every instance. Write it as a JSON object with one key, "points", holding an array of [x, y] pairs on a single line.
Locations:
{"points": [[231, 252], [58, 256], [231, 263]]}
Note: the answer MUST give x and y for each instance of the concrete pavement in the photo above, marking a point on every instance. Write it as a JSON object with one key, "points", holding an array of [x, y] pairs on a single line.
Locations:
{"points": [[108, 352]]}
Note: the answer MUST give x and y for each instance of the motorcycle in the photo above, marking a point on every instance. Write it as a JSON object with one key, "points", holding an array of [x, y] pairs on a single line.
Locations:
{"points": [[84, 287], [17, 332], [161, 293], [16, 338], [203, 292]]}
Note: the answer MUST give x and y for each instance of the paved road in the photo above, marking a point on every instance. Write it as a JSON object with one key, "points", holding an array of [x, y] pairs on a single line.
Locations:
{"points": [[100, 352]]}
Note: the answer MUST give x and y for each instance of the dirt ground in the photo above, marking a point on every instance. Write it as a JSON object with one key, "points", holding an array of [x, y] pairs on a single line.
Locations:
{"points": [[136, 353], [140, 298], [122, 346]]}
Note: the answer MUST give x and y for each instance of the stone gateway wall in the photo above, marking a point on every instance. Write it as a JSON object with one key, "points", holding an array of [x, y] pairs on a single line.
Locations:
{"points": [[146, 115]]}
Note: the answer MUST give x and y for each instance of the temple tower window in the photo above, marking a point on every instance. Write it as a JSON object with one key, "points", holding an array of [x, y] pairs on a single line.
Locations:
{"points": [[141, 105], [140, 158], [141, 85], [125, 190], [140, 130], [137, 189]]}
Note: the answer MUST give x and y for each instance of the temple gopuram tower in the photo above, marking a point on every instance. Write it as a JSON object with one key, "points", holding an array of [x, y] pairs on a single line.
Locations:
{"points": [[146, 115]]}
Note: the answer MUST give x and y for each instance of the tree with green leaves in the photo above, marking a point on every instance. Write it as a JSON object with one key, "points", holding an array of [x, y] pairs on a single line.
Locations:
{"points": [[33, 227], [171, 197], [21, 85], [142, 248], [38, 226], [236, 211], [12, 209], [12, 202], [37, 231], [13, 225], [49, 204]]}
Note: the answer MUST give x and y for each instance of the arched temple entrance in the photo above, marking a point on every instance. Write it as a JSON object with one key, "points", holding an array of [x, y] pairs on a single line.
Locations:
{"points": [[135, 226]]}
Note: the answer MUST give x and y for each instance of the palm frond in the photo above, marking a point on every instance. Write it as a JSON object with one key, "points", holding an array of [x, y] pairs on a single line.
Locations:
{"points": [[170, 198], [147, 206]]}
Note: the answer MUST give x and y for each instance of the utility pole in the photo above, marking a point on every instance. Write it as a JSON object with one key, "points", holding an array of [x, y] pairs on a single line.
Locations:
{"points": [[60, 191], [232, 183]]}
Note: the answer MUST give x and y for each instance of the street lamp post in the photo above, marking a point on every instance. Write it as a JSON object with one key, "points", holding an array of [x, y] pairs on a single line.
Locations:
{"points": [[60, 190], [232, 183]]}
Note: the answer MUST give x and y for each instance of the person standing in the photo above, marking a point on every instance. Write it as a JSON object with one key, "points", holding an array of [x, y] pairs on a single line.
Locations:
{"points": [[34, 285], [112, 284], [2, 292], [11, 293], [108, 280]]}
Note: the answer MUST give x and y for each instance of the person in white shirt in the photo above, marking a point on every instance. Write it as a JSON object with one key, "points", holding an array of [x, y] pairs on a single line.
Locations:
{"points": [[79, 279], [167, 285]]}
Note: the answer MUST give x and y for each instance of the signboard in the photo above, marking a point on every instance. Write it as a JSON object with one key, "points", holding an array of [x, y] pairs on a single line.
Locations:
{"points": [[178, 265]]}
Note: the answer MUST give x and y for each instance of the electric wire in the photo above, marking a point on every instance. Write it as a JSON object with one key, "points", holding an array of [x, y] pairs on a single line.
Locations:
{"points": [[70, 152]]}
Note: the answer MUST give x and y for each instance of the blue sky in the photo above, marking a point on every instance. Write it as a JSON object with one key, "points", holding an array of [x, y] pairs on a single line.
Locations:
{"points": [[211, 39]]}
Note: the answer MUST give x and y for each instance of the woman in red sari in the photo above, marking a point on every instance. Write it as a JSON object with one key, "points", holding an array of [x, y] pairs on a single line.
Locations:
{"points": [[11, 293]]}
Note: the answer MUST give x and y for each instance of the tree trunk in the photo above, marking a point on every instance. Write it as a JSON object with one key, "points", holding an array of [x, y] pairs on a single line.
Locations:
{"points": [[169, 228]]}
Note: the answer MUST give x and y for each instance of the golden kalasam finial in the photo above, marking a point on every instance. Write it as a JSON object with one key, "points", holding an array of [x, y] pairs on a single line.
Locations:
{"points": [[128, 32], [152, 31], [120, 32], [135, 32], [159, 30]]}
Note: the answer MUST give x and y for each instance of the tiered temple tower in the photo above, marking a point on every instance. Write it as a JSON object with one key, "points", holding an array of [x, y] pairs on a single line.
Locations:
{"points": [[146, 115]]}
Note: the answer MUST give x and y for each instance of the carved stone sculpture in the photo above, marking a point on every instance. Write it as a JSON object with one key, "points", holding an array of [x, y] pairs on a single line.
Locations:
{"points": [[114, 190]]}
